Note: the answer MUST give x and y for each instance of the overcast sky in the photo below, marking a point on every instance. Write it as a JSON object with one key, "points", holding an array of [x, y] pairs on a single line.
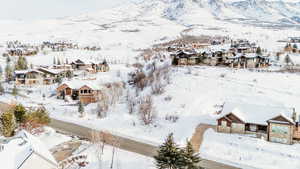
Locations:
{"points": [[43, 9]]}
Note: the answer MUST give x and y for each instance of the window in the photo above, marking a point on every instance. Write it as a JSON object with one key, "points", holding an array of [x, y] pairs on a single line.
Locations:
{"points": [[85, 91], [223, 123], [90, 91], [280, 129]]}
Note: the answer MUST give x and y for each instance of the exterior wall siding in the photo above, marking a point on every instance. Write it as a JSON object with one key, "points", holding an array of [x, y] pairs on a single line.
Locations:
{"points": [[238, 128], [223, 129]]}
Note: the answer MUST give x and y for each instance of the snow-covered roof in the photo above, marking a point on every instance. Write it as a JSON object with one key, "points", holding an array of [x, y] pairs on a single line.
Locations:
{"points": [[53, 71], [15, 151], [77, 84], [256, 114], [27, 71]]}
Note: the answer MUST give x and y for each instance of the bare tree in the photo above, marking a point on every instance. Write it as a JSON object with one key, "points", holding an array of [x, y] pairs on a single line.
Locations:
{"points": [[115, 143], [146, 110], [98, 140]]}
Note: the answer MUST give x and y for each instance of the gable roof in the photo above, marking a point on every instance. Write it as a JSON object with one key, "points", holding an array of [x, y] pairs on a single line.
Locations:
{"points": [[51, 71], [77, 84], [229, 118], [282, 118], [255, 114]]}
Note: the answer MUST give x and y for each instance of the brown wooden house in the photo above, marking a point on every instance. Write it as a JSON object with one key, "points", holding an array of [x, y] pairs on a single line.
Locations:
{"points": [[82, 90], [273, 123], [89, 94], [28, 77]]}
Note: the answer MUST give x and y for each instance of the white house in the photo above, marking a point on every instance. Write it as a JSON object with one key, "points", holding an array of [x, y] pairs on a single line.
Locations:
{"points": [[24, 151]]}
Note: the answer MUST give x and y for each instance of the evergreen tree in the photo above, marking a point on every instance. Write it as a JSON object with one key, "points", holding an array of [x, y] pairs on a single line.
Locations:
{"points": [[190, 157], [295, 46], [59, 79], [1, 89], [8, 73], [8, 124], [8, 60], [21, 63], [287, 59], [15, 91], [20, 112], [54, 61], [169, 155], [81, 108], [69, 74], [258, 51]]}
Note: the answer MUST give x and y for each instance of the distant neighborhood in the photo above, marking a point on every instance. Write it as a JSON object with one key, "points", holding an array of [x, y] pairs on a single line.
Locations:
{"points": [[235, 54]]}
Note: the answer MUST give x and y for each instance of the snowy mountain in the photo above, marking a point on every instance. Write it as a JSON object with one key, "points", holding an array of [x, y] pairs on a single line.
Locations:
{"points": [[239, 10], [258, 10]]}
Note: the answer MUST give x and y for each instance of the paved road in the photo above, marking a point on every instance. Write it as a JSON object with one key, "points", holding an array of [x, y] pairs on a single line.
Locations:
{"points": [[124, 143], [120, 141]]}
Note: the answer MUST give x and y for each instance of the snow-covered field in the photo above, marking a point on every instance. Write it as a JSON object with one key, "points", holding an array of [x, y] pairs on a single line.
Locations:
{"points": [[258, 153], [122, 159]]}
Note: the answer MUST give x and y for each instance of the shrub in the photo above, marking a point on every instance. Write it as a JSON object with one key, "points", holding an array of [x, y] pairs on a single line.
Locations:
{"points": [[20, 113], [36, 119], [8, 123]]}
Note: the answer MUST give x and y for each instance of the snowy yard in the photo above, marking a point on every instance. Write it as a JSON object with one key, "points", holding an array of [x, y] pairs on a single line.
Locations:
{"points": [[122, 159], [248, 151]]}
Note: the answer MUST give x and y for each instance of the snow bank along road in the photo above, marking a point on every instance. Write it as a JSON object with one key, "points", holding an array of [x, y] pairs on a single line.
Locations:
{"points": [[125, 143]]}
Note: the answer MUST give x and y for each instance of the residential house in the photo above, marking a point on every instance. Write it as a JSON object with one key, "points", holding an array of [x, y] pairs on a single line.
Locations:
{"points": [[249, 60], [69, 89], [90, 93], [50, 76], [90, 66], [80, 65], [82, 90], [25, 151], [275, 124], [294, 39], [102, 67], [28, 77], [63, 66], [185, 57], [243, 46]]}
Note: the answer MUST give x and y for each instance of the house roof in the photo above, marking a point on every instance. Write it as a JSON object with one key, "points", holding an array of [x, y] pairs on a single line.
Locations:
{"points": [[27, 71], [51, 71], [255, 114], [17, 150], [77, 84]]}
